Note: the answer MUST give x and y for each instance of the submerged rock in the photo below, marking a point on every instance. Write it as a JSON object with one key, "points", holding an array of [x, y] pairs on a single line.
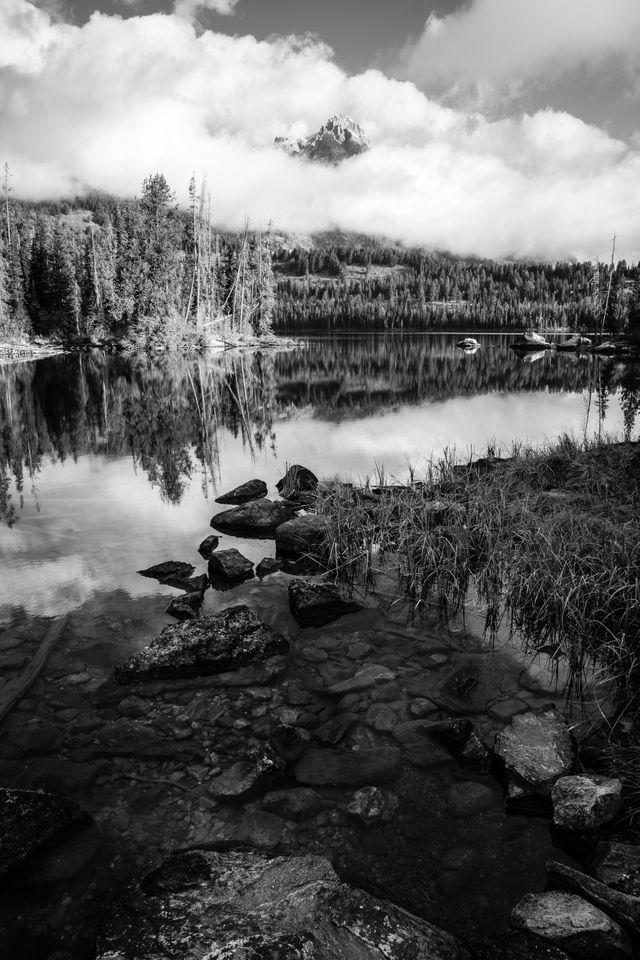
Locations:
{"points": [[249, 776], [585, 801], [348, 768], [572, 924], [170, 569], [229, 567], [537, 749], [260, 518], [209, 645], [237, 905], [251, 490], [31, 823], [298, 803], [314, 604], [371, 806], [208, 545]]}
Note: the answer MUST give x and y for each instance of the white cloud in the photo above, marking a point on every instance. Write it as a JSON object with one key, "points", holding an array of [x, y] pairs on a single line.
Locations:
{"points": [[497, 46], [106, 104], [187, 8]]}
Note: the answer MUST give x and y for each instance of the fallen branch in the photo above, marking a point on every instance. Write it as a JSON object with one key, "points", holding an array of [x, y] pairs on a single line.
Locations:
{"points": [[16, 687]]}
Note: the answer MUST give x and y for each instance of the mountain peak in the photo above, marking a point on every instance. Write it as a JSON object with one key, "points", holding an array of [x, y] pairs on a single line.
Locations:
{"points": [[336, 140]]}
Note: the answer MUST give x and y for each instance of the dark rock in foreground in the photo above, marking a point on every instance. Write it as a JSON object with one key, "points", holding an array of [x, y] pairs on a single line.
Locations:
{"points": [[170, 569], [229, 567], [297, 480], [314, 604], [572, 924], [348, 768], [185, 607], [208, 545], [203, 647], [267, 566], [623, 907], [304, 537], [30, 822], [239, 906], [251, 490], [260, 518]]}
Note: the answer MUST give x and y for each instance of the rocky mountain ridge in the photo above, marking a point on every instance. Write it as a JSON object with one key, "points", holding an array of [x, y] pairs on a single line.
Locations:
{"points": [[336, 140]]}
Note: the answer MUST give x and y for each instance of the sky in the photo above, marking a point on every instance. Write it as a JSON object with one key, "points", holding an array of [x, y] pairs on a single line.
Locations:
{"points": [[498, 128]]}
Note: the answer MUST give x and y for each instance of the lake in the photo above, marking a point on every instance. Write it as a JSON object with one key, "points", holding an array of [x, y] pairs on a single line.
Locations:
{"points": [[109, 465]]}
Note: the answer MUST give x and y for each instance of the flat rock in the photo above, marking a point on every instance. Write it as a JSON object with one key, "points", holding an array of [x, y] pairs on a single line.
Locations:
{"points": [[259, 518], [208, 545], [227, 568], [251, 490], [585, 801], [237, 905], [622, 907], [348, 768], [372, 805], [31, 822], [537, 749], [170, 568], [468, 798], [314, 604], [306, 536], [210, 645], [572, 924]]}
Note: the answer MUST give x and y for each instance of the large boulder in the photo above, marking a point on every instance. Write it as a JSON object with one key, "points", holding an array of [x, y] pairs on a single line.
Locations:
{"points": [[305, 536], [348, 768], [585, 801], [251, 490], [260, 518], [237, 905], [208, 545], [572, 924], [530, 341], [314, 604], [228, 568], [209, 645], [31, 823], [537, 749]]}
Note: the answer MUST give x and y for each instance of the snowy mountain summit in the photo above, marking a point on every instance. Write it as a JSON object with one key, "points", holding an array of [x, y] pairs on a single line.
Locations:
{"points": [[336, 140]]}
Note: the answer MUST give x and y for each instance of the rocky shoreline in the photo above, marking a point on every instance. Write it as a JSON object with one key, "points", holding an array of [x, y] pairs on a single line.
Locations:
{"points": [[281, 761]]}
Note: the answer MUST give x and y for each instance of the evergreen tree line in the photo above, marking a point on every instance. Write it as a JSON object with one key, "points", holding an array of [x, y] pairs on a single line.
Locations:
{"points": [[381, 287], [140, 271]]}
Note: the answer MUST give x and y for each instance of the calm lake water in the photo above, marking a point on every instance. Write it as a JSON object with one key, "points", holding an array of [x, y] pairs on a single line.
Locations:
{"points": [[109, 465]]}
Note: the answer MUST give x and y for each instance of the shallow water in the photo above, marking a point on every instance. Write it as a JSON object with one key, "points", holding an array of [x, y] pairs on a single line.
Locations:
{"points": [[113, 466]]}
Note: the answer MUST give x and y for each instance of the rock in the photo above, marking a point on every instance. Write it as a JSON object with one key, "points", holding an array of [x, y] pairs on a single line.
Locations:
{"points": [[208, 545], [267, 566], [381, 717], [31, 823], [333, 730], [259, 518], [306, 536], [171, 568], [625, 909], [574, 343], [228, 568], [475, 755], [209, 645], [189, 584], [418, 747], [233, 905], [363, 679], [299, 803], [506, 707], [452, 732], [572, 924], [248, 777], [251, 490], [467, 798], [35, 737], [468, 343], [348, 768], [585, 801], [519, 945], [459, 866], [422, 707], [185, 607], [286, 741], [259, 829], [372, 806], [618, 865], [297, 479], [437, 513], [529, 341], [314, 604], [67, 859], [539, 678], [537, 750]]}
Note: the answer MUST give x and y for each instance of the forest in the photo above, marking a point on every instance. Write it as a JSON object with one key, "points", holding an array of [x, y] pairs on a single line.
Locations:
{"points": [[144, 273]]}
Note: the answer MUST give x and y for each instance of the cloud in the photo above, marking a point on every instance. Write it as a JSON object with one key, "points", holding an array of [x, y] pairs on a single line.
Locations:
{"points": [[187, 8], [496, 47], [105, 104]]}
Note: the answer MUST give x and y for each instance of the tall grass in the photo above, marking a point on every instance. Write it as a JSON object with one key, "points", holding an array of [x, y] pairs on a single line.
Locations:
{"points": [[547, 539]]}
